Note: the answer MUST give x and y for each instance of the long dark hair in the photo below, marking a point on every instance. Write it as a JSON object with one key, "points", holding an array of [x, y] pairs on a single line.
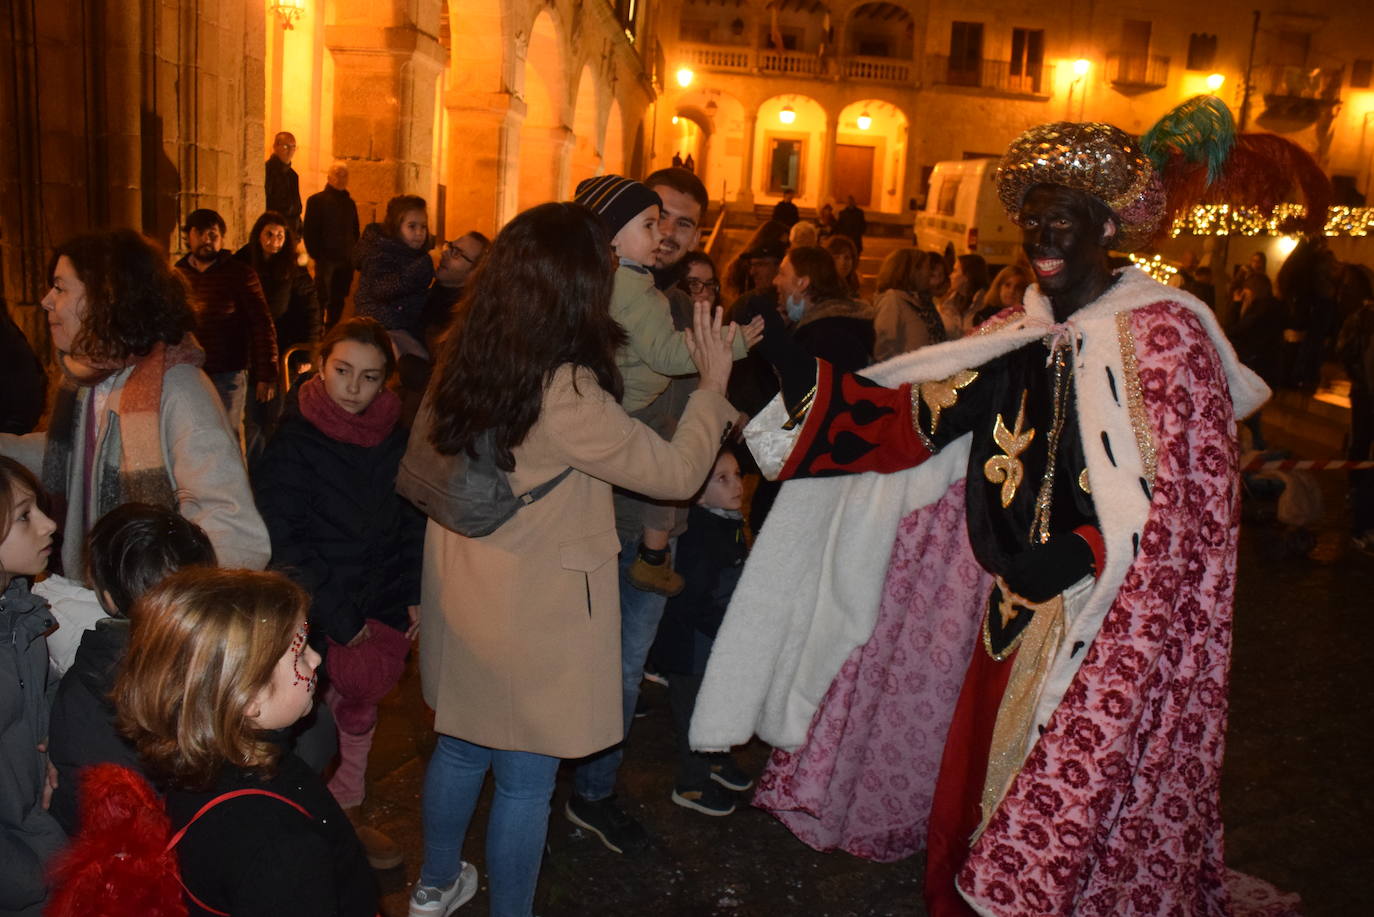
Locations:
{"points": [[540, 298], [273, 267], [838, 245], [818, 265], [133, 297]]}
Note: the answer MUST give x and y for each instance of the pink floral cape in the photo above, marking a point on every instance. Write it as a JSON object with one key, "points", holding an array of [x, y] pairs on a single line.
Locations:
{"points": [[1115, 810]]}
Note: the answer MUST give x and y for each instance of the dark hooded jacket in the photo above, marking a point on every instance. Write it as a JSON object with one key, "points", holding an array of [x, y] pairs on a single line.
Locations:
{"points": [[338, 527], [393, 281], [710, 556], [838, 330], [82, 730], [29, 836]]}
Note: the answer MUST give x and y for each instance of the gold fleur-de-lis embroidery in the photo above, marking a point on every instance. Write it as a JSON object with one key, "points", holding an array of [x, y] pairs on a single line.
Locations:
{"points": [[944, 394], [1007, 469]]}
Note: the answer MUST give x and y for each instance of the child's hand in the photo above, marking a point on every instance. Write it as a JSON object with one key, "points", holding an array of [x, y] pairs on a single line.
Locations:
{"points": [[710, 347], [360, 637], [413, 630], [50, 783], [753, 332]]}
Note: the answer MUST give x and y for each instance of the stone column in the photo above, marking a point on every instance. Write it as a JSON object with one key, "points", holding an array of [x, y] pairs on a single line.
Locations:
{"points": [[745, 197], [483, 160], [832, 133], [385, 81]]}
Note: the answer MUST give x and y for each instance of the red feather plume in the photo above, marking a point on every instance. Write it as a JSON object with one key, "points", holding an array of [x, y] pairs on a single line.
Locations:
{"points": [[1261, 171], [119, 865]]}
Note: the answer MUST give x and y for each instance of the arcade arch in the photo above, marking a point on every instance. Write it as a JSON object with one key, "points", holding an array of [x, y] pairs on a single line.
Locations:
{"points": [[544, 136], [871, 144], [789, 149], [613, 147], [586, 156]]}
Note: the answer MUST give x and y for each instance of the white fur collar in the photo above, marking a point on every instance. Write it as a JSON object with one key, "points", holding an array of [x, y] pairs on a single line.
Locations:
{"points": [[828, 539]]}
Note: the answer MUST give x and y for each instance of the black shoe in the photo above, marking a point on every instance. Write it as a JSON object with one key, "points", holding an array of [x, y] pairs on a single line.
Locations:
{"points": [[708, 799], [728, 774], [611, 825]]}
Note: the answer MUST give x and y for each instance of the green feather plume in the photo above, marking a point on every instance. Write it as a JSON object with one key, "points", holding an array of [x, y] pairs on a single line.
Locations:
{"points": [[1201, 130]]}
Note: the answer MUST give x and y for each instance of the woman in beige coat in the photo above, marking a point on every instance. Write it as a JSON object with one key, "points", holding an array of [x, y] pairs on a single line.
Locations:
{"points": [[520, 629]]}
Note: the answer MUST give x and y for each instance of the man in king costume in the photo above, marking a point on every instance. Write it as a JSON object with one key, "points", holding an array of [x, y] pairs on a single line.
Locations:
{"points": [[1010, 644]]}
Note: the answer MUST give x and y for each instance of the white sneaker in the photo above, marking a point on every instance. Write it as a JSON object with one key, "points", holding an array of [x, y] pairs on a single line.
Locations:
{"points": [[428, 901]]}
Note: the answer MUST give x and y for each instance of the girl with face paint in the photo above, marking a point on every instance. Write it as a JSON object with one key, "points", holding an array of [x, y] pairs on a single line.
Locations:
{"points": [[219, 664]]}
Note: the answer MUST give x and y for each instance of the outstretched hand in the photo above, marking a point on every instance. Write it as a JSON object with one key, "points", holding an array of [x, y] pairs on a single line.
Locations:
{"points": [[710, 346]]}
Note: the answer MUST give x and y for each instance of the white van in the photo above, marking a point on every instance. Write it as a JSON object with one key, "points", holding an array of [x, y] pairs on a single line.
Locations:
{"points": [[963, 211]]}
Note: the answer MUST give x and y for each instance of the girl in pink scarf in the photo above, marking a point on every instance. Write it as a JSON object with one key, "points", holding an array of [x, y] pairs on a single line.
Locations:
{"points": [[326, 488]]}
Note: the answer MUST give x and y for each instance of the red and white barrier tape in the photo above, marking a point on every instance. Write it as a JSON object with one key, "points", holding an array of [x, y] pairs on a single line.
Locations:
{"points": [[1259, 464]]}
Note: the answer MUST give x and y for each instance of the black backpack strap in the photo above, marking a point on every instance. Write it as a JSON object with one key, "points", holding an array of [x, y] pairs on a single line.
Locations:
{"points": [[527, 498]]}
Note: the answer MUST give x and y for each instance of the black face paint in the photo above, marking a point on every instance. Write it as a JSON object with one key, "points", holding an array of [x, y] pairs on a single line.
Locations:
{"points": [[1063, 238]]}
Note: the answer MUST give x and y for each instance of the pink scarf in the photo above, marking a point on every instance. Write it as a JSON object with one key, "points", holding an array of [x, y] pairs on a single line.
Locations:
{"points": [[368, 429]]}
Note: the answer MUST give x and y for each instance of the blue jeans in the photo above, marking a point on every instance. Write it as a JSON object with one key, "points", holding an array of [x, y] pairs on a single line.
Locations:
{"points": [[233, 391], [516, 829], [640, 612]]}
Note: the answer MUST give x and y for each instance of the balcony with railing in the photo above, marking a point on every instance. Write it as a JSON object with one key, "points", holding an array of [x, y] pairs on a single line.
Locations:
{"points": [[791, 63], [803, 64], [1138, 71], [992, 75], [729, 58], [1298, 93], [878, 69]]}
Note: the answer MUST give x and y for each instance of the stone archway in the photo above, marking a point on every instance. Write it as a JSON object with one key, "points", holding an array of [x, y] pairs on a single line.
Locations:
{"points": [[613, 147], [586, 153], [870, 155], [544, 136], [789, 147]]}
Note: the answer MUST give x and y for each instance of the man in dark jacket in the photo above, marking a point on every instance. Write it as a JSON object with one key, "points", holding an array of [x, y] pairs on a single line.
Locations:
{"points": [[331, 231], [852, 223], [233, 322], [282, 184], [784, 211], [24, 385]]}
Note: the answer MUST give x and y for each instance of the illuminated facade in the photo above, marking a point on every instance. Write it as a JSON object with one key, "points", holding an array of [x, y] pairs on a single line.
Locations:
{"points": [[134, 114], [947, 79]]}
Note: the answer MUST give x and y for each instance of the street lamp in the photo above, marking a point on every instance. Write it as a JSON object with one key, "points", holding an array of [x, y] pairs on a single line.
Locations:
{"points": [[675, 119], [1082, 66], [685, 76], [1214, 82], [787, 115], [288, 11], [865, 122]]}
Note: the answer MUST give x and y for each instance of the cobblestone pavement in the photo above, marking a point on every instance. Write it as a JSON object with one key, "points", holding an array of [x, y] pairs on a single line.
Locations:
{"points": [[1296, 789]]}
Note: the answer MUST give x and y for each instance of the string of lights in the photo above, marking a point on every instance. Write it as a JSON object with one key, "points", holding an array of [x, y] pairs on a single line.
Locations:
{"points": [[1239, 220], [1156, 267]]}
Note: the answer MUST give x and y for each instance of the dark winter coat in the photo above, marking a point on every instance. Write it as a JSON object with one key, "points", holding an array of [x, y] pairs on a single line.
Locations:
{"points": [[338, 527], [839, 331], [786, 213], [29, 835], [710, 556], [233, 323], [393, 281], [283, 187], [24, 387], [290, 293], [82, 730], [255, 856], [852, 223], [331, 225], [1258, 337]]}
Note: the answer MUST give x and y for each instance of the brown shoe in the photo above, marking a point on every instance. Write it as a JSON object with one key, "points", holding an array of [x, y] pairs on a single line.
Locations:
{"points": [[382, 852], [659, 578]]}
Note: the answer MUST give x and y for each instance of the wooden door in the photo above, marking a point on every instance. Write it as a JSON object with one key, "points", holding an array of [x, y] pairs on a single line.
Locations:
{"points": [[852, 173]]}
